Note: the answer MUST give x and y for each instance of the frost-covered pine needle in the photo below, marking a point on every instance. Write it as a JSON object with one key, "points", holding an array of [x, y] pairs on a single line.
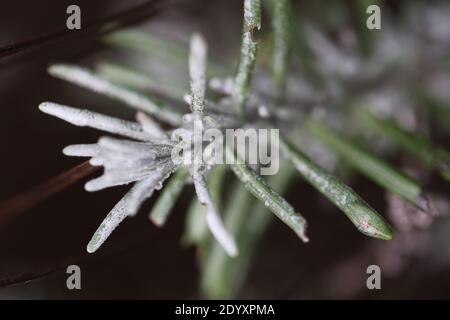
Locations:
{"points": [[166, 201], [196, 230], [86, 118], [213, 218], [151, 127], [366, 219], [197, 71], [82, 150], [86, 79], [128, 206], [146, 163]]}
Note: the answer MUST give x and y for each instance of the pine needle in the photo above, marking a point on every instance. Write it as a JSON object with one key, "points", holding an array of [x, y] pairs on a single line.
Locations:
{"points": [[411, 142], [248, 220], [365, 219], [370, 165], [166, 201], [87, 79], [271, 199], [249, 50], [281, 26], [130, 78]]}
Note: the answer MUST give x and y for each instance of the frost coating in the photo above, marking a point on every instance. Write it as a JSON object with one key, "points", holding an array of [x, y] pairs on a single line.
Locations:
{"points": [[252, 14], [197, 71], [213, 218], [145, 163], [82, 150], [151, 127], [89, 80], [86, 118], [127, 206]]}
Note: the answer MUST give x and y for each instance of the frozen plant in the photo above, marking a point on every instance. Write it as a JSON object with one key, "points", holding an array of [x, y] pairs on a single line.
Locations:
{"points": [[341, 92]]}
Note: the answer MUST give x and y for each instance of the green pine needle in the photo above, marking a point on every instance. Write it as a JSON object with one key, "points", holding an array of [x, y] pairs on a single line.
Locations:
{"points": [[249, 50], [248, 220], [368, 164], [271, 199], [411, 142], [166, 201], [366, 219], [281, 26], [126, 76], [215, 281], [168, 52]]}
